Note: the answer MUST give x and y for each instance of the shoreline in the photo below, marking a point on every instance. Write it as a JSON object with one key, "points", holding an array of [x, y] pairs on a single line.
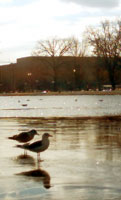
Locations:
{"points": [[115, 92], [103, 117]]}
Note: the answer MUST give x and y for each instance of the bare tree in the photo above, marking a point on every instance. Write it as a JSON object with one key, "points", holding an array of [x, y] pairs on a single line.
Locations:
{"points": [[54, 48], [78, 50], [106, 43]]}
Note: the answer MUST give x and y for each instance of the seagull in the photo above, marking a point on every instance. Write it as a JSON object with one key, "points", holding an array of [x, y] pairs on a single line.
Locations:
{"points": [[38, 146], [24, 137]]}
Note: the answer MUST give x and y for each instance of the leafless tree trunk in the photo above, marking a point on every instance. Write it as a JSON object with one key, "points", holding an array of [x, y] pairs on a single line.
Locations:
{"points": [[78, 50], [54, 48]]}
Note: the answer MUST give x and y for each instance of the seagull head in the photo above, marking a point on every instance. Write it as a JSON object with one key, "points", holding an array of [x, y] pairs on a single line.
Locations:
{"points": [[46, 135], [34, 132]]}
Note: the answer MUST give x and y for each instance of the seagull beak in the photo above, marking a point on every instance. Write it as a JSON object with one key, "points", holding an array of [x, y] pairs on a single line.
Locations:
{"points": [[50, 135]]}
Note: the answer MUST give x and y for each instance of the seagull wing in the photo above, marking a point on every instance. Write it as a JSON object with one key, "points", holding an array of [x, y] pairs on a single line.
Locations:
{"points": [[35, 144], [23, 137], [23, 134]]}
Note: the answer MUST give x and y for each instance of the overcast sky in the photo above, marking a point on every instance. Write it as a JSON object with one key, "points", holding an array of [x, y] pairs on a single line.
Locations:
{"points": [[24, 22]]}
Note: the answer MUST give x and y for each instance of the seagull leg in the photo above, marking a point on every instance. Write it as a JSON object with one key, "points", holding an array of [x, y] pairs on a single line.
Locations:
{"points": [[25, 152], [38, 165], [38, 157]]}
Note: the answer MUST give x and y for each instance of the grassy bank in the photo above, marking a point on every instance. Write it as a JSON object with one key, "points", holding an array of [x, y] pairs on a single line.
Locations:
{"points": [[116, 92]]}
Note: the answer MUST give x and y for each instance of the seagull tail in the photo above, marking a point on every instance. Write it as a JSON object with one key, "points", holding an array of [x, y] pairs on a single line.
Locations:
{"points": [[24, 146], [19, 146], [10, 138]]}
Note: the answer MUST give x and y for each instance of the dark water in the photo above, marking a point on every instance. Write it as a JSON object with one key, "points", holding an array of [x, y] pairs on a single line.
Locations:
{"points": [[83, 161]]}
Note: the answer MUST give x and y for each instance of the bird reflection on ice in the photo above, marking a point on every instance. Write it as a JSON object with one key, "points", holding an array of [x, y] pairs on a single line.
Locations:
{"points": [[38, 175], [25, 160]]}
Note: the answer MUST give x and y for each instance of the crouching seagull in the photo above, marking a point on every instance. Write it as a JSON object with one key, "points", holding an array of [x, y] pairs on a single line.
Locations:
{"points": [[24, 137]]}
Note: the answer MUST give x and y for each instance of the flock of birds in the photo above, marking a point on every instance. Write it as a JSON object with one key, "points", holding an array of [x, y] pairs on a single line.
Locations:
{"points": [[37, 147]]}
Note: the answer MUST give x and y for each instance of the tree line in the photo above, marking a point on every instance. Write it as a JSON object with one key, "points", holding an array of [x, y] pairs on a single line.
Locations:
{"points": [[103, 41], [70, 64]]}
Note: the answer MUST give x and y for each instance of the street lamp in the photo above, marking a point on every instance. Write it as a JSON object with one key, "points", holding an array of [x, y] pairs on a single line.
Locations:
{"points": [[74, 71], [29, 74]]}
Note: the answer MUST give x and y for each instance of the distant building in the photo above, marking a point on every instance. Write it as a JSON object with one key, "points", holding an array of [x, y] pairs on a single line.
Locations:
{"points": [[48, 73]]}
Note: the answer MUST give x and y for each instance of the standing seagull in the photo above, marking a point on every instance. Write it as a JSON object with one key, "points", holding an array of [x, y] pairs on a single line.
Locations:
{"points": [[24, 136], [37, 146]]}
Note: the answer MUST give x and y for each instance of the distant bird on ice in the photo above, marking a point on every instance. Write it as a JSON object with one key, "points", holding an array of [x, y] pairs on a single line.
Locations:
{"points": [[24, 136], [38, 146]]}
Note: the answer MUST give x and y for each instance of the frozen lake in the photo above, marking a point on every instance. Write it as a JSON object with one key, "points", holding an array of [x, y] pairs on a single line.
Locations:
{"points": [[83, 160], [60, 106]]}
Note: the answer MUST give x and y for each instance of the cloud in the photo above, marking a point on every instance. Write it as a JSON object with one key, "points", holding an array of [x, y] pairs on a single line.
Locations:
{"points": [[23, 23], [96, 3], [9, 3], [6, 1]]}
